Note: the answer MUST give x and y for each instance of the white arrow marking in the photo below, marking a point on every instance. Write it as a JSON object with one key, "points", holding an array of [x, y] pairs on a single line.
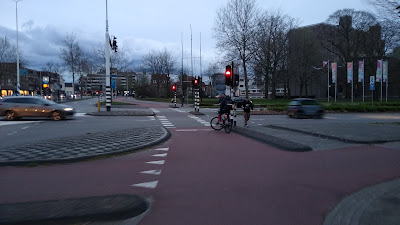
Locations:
{"points": [[154, 172], [161, 149], [158, 162], [151, 184], [160, 155]]}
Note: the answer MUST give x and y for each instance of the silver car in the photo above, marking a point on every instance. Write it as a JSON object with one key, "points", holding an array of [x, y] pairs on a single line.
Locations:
{"points": [[15, 107]]}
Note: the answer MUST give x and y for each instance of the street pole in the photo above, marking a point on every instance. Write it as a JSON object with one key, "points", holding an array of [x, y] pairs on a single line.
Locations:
{"points": [[328, 80], [107, 50], [16, 19]]}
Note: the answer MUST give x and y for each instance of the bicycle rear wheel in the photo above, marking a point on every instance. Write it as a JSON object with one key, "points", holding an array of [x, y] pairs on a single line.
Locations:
{"points": [[215, 123], [228, 126]]}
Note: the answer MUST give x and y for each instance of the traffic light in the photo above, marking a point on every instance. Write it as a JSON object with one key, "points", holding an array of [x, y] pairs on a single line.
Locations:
{"points": [[114, 44], [173, 87], [228, 75], [196, 82], [45, 85], [236, 83]]}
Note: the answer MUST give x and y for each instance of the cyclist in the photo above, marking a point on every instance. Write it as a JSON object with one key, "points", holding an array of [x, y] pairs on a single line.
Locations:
{"points": [[223, 103]]}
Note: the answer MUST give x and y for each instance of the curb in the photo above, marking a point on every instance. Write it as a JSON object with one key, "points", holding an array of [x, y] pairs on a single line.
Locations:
{"points": [[70, 211], [273, 141], [196, 113], [376, 204], [329, 136], [82, 158]]}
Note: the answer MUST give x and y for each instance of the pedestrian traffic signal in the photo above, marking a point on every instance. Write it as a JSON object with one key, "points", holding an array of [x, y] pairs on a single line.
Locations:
{"points": [[173, 87], [228, 75]]}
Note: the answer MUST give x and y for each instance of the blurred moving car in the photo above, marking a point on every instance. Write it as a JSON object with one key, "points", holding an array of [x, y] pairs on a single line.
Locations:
{"points": [[15, 107], [305, 107], [238, 101]]}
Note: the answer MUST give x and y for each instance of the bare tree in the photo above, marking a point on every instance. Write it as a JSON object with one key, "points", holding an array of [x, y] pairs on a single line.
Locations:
{"points": [[7, 51], [118, 60], [52, 66], [386, 8], [161, 64], [304, 52], [272, 45], [236, 31], [71, 55]]}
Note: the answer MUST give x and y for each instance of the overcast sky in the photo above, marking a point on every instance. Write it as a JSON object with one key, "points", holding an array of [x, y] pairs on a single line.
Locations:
{"points": [[140, 26]]}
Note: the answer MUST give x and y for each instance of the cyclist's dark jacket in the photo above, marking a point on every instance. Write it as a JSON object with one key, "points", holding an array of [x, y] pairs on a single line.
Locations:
{"points": [[223, 102]]}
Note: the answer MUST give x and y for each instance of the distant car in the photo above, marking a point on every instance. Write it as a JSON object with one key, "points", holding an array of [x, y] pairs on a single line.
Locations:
{"points": [[15, 107], [305, 107], [238, 101]]}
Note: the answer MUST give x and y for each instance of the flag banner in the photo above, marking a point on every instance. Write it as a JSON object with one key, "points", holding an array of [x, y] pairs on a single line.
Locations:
{"points": [[379, 71], [324, 63], [334, 72], [385, 71], [349, 72], [360, 71]]}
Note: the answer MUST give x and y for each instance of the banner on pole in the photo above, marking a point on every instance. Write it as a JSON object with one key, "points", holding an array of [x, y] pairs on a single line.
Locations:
{"points": [[349, 72], [334, 72], [385, 71], [360, 71], [379, 71]]}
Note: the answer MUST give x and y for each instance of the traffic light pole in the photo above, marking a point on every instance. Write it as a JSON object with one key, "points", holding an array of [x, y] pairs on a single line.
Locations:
{"points": [[107, 50]]}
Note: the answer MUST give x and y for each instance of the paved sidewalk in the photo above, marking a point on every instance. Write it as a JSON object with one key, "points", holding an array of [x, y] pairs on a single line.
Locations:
{"points": [[83, 147]]}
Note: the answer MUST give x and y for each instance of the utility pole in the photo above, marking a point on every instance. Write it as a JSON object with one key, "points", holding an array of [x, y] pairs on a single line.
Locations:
{"points": [[107, 50], [16, 19]]}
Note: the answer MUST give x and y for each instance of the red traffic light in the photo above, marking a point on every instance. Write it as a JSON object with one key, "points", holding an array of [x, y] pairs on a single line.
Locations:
{"points": [[196, 81], [173, 87]]}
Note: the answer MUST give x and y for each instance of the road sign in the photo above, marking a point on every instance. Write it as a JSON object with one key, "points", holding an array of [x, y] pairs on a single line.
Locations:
{"points": [[113, 75], [45, 80], [113, 84], [372, 83]]}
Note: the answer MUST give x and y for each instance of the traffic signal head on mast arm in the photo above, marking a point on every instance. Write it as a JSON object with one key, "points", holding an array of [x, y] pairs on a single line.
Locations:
{"points": [[228, 75]]}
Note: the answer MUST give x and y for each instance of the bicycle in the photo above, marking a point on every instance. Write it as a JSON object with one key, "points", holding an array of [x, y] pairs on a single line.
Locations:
{"points": [[225, 123]]}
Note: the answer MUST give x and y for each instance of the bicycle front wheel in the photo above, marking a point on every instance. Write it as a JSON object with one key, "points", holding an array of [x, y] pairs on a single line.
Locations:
{"points": [[228, 126], [215, 123]]}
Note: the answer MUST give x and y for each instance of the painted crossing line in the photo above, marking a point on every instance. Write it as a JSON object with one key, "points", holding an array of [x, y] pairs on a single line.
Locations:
{"points": [[165, 122], [154, 110], [180, 110], [5, 123], [205, 123]]}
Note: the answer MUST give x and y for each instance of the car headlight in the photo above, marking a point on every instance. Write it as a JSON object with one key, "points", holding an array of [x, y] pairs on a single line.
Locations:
{"points": [[68, 109]]}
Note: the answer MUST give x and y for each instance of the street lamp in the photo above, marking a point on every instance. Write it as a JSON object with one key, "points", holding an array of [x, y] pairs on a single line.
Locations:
{"points": [[16, 19]]}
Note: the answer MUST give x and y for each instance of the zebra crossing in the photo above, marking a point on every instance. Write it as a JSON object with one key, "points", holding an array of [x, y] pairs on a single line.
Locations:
{"points": [[165, 122], [200, 120]]}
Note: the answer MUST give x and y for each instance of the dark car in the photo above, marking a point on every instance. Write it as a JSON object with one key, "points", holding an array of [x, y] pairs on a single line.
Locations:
{"points": [[238, 101], [305, 107], [15, 107]]}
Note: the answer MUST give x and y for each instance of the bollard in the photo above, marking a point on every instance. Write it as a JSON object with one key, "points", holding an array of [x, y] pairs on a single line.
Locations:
{"points": [[98, 105]]}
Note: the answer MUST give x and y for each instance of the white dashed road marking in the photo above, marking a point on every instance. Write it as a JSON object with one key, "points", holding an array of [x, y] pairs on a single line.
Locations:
{"points": [[161, 149], [158, 162], [165, 122], [205, 123], [160, 155], [154, 110], [5, 123], [150, 185], [153, 172]]}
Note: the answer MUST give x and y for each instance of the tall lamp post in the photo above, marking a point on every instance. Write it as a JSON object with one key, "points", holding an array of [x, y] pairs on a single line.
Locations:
{"points": [[16, 19], [107, 50]]}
